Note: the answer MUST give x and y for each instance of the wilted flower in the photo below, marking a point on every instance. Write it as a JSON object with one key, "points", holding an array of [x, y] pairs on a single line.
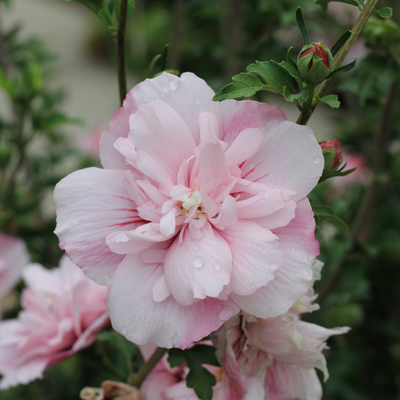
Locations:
{"points": [[13, 257], [62, 312], [315, 62], [200, 211], [273, 359]]}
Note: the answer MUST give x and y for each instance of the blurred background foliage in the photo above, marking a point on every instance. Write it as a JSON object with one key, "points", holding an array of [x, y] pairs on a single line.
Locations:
{"points": [[216, 39]]}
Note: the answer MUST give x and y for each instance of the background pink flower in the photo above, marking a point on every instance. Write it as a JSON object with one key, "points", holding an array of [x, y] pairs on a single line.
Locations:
{"points": [[200, 210], [62, 312], [274, 358], [13, 257]]}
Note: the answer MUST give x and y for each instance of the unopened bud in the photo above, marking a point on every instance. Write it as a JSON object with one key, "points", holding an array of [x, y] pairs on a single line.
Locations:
{"points": [[315, 62], [335, 145]]}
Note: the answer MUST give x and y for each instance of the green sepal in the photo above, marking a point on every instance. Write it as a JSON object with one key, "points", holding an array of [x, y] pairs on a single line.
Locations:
{"points": [[343, 69], [302, 26], [357, 3], [340, 42], [292, 69], [243, 85], [331, 100], [329, 172], [324, 212]]}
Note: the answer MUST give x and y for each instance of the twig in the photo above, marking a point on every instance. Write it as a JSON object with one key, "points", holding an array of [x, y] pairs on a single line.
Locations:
{"points": [[355, 32], [121, 50], [138, 378]]}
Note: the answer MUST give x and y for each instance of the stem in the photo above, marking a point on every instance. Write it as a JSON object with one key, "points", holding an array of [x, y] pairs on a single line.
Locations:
{"points": [[138, 378], [356, 228], [121, 50], [355, 32]]}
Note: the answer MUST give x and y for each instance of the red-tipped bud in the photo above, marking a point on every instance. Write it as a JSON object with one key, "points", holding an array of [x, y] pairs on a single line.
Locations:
{"points": [[333, 144]]}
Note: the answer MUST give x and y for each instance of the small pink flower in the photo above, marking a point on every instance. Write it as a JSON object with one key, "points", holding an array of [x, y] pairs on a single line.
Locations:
{"points": [[13, 257], [274, 358], [200, 210], [62, 312]]}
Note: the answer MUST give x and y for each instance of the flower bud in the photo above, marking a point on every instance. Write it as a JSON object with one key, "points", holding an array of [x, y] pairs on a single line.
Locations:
{"points": [[315, 62], [335, 145]]}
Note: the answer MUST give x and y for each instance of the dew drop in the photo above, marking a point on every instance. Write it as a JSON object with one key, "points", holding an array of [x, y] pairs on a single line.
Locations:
{"points": [[226, 313], [306, 273], [267, 195], [311, 258], [304, 141], [124, 330], [198, 262], [316, 160], [162, 94], [253, 286], [293, 249], [197, 248], [197, 101], [273, 266], [174, 84], [218, 267]]}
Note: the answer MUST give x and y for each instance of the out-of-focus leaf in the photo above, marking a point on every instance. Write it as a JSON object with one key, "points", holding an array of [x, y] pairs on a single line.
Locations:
{"points": [[324, 212], [331, 100], [302, 26], [385, 12], [93, 5], [357, 3], [343, 69], [340, 42]]}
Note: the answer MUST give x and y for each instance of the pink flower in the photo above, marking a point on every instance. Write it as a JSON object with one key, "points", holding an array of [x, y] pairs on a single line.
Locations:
{"points": [[273, 359], [62, 312], [166, 383], [200, 210], [13, 257]]}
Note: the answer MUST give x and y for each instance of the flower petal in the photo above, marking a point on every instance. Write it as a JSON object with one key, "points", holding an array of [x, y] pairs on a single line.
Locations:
{"points": [[197, 269], [141, 320], [91, 204]]}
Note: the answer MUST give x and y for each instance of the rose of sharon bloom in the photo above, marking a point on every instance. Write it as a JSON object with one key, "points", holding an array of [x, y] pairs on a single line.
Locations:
{"points": [[166, 383], [200, 210], [273, 359], [62, 312], [13, 257]]}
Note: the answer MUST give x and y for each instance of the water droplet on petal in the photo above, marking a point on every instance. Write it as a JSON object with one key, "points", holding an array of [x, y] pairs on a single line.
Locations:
{"points": [[273, 266], [124, 330], [174, 84], [311, 258], [226, 313], [197, 248], [267, 195], [197, 101], [198, 262], [253, 286], [293, 249], [162, 94], [316, 160], [304, 141], [218, 267]]}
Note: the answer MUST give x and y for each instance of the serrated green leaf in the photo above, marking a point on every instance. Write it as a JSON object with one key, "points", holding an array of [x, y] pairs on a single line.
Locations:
{"points": [[303, 95], [201, 381], [274, 75], [331, 100], [340, 42], [243, 85], [176, 357], [292, 69], [385, 12], [357, 3], [302, 26], [343, 69]]}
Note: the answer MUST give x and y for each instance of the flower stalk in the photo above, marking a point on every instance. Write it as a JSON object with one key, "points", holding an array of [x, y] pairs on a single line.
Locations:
{"points": [[341, 55], [121, 50], [138, 378]]}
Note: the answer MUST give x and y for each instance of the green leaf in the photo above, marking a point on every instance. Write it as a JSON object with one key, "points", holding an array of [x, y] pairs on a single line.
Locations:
{"points": [[385, 12], [357, 3], [243, 85], [291, 69], [302, 26], [303, 95], [153, 61], [343, 69], [324, 212], [340, 42], [110, 5], [106, 18], [331, 100], [7, 85], [204, 354], [126, 347], [274, 75], [94, 5], [176, 357], [201, 380]]}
